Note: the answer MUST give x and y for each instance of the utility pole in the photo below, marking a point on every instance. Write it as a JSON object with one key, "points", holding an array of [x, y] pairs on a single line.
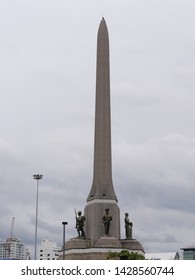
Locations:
{"points": [[63, 247], [37, 177]]}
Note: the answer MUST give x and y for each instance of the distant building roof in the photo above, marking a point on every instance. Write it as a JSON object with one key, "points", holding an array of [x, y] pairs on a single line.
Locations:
{"points": [[188, 248], [163, 256]]}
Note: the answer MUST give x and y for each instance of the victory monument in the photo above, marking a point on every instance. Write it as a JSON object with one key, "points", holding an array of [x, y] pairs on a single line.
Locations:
{"points": [[99, 227]]}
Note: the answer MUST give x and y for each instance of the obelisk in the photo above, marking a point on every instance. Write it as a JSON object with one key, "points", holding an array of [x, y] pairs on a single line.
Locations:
{"points": [[102, 194], [101, 237]]}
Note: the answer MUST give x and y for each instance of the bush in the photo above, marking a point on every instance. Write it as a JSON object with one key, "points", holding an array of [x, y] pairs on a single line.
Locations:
{"points": [[125, 255]]}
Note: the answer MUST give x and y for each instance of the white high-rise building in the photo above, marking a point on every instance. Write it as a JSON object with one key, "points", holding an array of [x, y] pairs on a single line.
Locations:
{"points": [[48, 250], [13, 248]]}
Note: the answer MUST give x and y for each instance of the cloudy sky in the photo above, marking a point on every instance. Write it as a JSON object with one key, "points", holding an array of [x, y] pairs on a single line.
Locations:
{"points": [[47, 91]]}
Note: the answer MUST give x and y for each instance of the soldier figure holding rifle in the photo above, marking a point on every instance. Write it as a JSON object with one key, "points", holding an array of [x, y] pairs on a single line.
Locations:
{"points": [[80, 223], [106, 219]]}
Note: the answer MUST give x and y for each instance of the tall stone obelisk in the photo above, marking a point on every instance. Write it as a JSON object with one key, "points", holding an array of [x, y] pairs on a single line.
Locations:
{"points": [[98, 241], [102, 194]]}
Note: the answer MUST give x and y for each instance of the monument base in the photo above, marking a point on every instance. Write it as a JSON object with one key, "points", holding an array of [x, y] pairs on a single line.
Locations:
{"points": [[107, 242], [132, 245], [80, 248], [78, 243]]}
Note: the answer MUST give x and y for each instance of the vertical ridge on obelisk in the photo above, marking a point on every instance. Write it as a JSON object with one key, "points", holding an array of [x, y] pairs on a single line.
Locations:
{"points": [[102, 186]]}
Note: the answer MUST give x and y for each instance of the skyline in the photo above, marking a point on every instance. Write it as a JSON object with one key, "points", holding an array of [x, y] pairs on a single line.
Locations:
{"points": [[48, 70]]}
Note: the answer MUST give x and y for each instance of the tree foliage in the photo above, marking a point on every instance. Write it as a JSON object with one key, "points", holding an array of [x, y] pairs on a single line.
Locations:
{"points": [[125, 254]]}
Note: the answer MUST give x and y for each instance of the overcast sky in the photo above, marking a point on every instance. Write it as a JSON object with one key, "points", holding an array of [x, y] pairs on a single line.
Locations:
{"points": [[47, 109]]}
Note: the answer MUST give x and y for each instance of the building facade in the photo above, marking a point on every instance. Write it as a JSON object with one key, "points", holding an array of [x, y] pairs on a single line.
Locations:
{"points": [[48, 250], [189, 253], [13, 248]]}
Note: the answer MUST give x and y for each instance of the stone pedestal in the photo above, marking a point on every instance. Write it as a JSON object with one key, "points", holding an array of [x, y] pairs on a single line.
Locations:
{"points": [[107, 242], [132, 245], [78, 243], [79, 248]]}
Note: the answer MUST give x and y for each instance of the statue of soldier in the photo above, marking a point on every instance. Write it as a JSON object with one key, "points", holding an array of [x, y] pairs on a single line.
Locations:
{"points": [[128, 227], [106, 219], [80, 219]]}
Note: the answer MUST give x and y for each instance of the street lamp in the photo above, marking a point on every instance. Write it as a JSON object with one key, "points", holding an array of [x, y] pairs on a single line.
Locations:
{"points": [[63, 247], [37, 177]]}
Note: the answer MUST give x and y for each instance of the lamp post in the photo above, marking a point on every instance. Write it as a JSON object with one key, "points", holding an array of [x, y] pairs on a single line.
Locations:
{"points": [[37, 177], [63, 247]]}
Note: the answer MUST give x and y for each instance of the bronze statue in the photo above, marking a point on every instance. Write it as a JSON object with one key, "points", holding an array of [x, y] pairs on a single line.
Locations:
{"points": [[128, 227], [80, 224], [106, 219]]}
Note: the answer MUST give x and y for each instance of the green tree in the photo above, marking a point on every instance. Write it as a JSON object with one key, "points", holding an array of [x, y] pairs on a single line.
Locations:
{"points": [[125, 254]]}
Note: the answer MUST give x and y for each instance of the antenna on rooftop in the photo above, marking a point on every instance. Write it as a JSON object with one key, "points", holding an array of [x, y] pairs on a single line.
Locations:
{"points": [[10, 238], [12, 228]]}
